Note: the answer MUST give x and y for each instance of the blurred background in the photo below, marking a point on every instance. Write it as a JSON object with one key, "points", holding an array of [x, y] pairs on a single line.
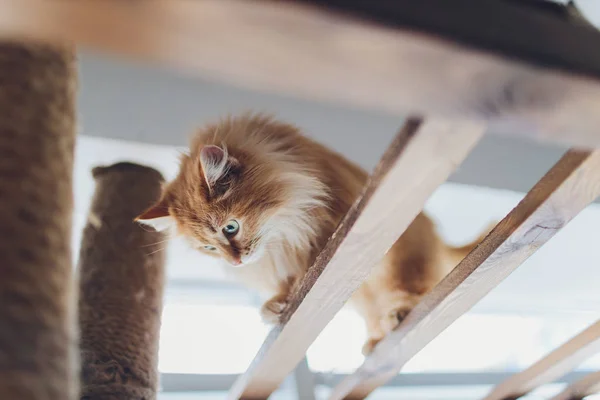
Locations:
{"points": [[211, 328]]}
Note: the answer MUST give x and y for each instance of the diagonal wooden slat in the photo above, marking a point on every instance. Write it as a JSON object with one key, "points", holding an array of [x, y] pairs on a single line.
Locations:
{"points": [[420, 159], [457, 62], [578, 390], [560, 195], [556, 364]]}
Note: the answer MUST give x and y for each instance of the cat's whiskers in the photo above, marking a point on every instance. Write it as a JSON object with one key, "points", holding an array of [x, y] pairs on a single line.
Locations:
{"points": [[146, 228], [156, 251], [156, 243]]}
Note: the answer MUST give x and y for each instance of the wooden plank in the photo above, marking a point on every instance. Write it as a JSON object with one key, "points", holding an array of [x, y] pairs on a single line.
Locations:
{"points": [[406, 67], [420, 159], [556, 364], [561, 194], [586, 386]]}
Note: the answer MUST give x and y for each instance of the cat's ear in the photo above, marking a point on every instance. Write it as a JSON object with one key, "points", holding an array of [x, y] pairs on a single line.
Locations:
{"points": [[216, 163], [157, 217]]}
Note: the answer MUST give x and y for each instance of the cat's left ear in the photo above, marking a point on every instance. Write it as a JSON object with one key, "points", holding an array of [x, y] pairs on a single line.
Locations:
{"points": [[216, 163], [157, 217]]}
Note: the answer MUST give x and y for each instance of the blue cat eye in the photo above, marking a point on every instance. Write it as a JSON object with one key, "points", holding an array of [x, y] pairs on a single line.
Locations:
{"points": [[231, 228], [211, 248]]}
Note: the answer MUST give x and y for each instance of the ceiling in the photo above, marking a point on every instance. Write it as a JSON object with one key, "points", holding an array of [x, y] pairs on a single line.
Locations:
{"points": [[145, 103]]}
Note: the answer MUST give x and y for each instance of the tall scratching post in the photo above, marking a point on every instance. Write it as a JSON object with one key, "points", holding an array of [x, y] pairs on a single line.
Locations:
{"points": [[121, 271], [37, 131]]}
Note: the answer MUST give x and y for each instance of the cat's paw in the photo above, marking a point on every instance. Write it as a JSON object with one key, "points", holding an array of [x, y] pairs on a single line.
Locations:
{"points": [[272, 310], [394, 318], [369, 346]]}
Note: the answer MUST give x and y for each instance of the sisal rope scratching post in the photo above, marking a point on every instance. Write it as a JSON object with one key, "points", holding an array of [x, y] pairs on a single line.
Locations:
{"points": [[121, 270], [37, 133]]}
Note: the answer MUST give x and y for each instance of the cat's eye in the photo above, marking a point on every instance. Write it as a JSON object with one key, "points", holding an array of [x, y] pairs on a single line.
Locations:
{"points": [[231, 228], [211, 248]]}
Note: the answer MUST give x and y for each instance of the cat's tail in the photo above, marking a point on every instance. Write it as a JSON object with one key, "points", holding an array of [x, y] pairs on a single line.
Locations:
{"points": [[456, 254]]}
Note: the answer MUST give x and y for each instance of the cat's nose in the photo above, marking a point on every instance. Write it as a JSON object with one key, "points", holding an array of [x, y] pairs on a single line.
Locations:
{"points": [[236, 261]]}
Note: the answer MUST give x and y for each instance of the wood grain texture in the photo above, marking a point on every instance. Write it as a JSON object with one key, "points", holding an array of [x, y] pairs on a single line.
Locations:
{"points": [[420, 159], [556, 364], [578, 390], [560, 195], [418, 63]]}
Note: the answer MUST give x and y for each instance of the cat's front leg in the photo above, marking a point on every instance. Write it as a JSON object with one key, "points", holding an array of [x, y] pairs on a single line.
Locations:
{"points": [[397, 306], [274, 308], [386, 324]]}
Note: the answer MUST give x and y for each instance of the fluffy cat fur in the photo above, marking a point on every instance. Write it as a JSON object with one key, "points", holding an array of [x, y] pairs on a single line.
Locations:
{"points": [[288, 194]]}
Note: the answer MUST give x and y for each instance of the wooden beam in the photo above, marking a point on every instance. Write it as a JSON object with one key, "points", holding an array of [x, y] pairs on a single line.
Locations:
{"points": [[561, 194], [556, 364], [427, 63], [420, 159], [586, 386]]}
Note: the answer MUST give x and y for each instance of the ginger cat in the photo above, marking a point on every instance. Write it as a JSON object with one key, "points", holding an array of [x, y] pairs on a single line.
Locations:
{"points": [[259, 195]]}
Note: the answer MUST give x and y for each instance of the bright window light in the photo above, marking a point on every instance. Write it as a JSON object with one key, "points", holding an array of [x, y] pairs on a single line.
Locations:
{"points": [[207, 330]]}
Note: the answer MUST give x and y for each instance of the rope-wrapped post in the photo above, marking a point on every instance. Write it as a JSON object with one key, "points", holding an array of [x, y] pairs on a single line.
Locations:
{"points": [[37, 133], [121, 268]]}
